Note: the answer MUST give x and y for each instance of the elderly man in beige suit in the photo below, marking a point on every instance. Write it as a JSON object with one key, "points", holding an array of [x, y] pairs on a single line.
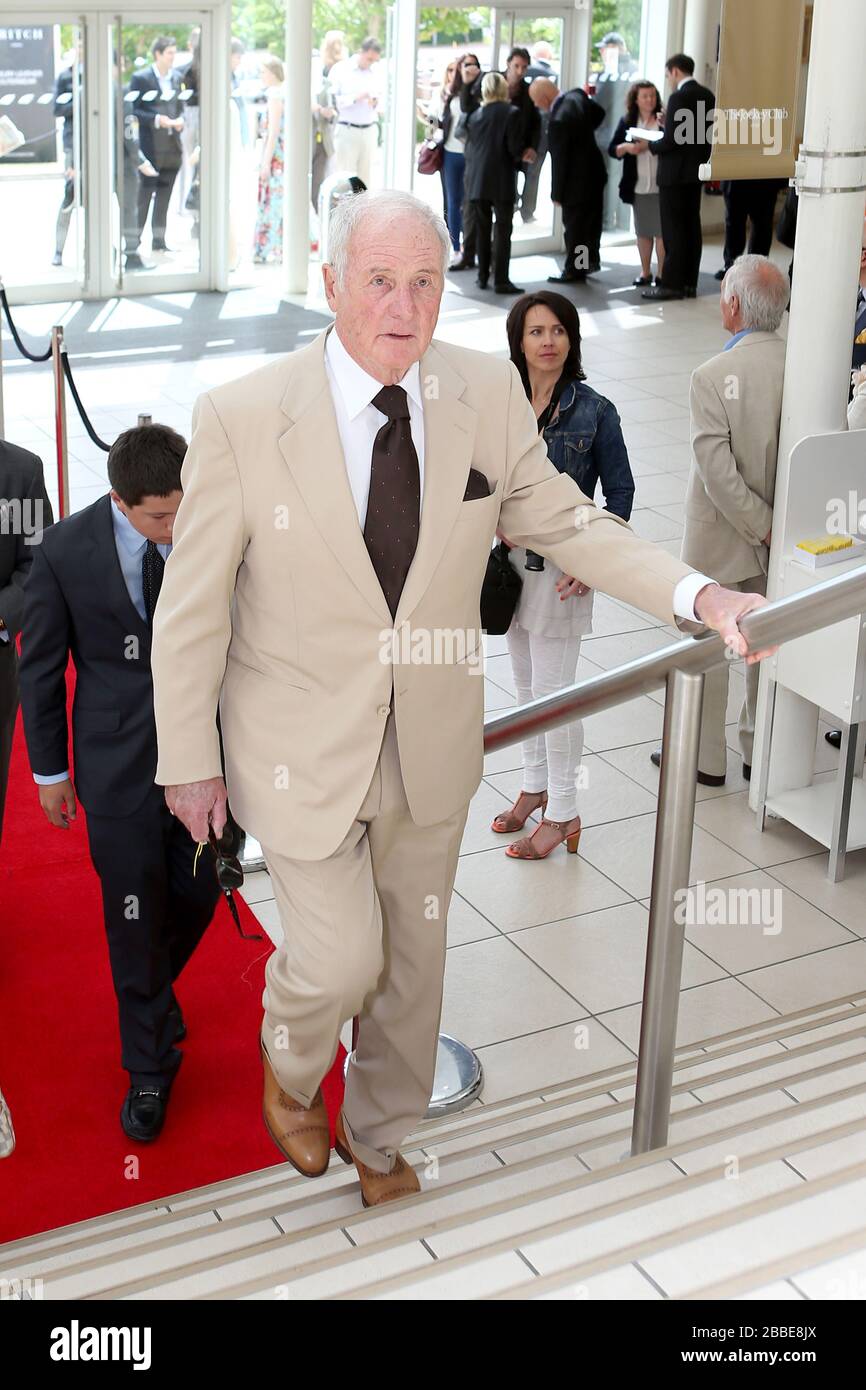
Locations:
{"points": [[736, 412], [347, 491]]}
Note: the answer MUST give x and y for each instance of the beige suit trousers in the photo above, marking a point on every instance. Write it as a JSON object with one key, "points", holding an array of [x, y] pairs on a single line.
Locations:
{"points": [[713, 754], [365, 933]]}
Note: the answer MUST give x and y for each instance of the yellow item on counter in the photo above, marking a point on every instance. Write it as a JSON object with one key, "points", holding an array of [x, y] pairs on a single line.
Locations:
{"points": [[825, 545]]}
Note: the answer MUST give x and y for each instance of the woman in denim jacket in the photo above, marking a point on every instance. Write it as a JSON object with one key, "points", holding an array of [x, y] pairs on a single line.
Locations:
{"points": [[584, 439]]}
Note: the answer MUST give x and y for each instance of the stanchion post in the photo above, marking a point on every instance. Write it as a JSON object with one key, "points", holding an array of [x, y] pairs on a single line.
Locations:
{"points": [[670, 881], [60, 420]]}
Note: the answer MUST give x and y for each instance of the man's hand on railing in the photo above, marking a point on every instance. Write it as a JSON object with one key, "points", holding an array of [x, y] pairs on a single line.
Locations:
{"points": [[721, 609]]}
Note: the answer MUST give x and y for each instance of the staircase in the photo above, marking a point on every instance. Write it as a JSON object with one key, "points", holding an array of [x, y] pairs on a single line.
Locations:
{"points": [[761, 1192]]}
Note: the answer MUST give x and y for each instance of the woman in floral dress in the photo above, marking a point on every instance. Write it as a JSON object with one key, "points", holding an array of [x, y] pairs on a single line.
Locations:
{"points": [[269, 219]]}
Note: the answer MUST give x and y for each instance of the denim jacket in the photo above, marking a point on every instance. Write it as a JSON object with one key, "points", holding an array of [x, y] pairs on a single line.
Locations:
{"points": [[585, 441]]}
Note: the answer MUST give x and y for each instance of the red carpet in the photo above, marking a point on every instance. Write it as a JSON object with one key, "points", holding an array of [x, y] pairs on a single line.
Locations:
{"points": [[60, 1051]]}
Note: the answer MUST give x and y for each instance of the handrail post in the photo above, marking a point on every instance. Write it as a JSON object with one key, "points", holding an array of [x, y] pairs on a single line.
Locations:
{"points": [[60, 421], [670, 880]]}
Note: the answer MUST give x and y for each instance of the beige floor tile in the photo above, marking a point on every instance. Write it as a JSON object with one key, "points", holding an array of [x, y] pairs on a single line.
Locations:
{"points": [[610, 617], [608, 652], [845, 902], [488, 802], [600, 957], [779, 1292], [635, 762], [652, 526], [466, 924], [257, 887], [831, 973], [267, 915], [663, 487], [357, 1273], [731, 821], [625, 1284], [780, 1121], [841, 1280], [549, 1058], [623, 850], [514, 893], [497, 669], [604, 795], [633, 722], [651, 412], [640, 437], [493, 992], [704, 1011], [495, 698]]}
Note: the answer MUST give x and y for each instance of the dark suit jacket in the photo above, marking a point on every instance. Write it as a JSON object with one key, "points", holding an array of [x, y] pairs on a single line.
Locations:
{"points": [[161, 146], [576, 160], [77, 602], [66, 107], [493, 149], [530, 118], [684, 148], [22, 485]]}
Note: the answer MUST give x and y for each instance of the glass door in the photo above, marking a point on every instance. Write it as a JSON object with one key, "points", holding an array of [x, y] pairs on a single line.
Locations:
{"points": [[158, 161], [547, 39], [44, 69]]}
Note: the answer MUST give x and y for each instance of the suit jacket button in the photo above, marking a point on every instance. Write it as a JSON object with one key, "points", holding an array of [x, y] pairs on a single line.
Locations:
{"points": [[383, 710]]}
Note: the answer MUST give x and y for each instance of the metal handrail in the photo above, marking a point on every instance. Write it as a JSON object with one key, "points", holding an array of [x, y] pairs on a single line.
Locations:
{"points": [[681, 667]]}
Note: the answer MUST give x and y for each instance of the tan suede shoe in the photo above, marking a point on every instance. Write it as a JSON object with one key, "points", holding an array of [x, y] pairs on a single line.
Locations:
{"points": [[376, 1188], [300, 1133]]}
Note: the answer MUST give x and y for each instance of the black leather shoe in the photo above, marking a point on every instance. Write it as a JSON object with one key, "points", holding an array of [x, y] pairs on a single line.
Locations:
{"points": [[461, 264], [720, 274], [143, 1114], [747, 772], [662, 292], [690, 292], [568, 277], [134, 262], [481, 283], [834, 738], [641, 281], [161, 246], [706, 779], [507, 288]]}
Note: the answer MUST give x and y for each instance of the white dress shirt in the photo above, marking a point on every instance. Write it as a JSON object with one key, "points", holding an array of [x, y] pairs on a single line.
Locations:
{"points": [[358, 423], [358, 420], [349, 81]]}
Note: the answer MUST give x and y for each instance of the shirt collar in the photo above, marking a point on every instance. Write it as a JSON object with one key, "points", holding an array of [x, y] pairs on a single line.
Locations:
{"points": [[682, 82], [131, 540], [356, 386], [736, 338]]}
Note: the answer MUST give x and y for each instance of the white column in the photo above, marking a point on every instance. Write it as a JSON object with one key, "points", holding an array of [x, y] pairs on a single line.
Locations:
{"points": [[297, 138], [402, 62], [661, 35], [699, 37], [821, 327]]}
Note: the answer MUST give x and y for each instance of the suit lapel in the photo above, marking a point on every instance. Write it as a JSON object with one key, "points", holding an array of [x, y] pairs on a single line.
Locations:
{"points": [[312, 450], [107, 562], [449, 436]]}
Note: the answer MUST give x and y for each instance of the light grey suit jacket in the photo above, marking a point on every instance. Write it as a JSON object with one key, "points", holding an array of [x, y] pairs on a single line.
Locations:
{"points": [[736, 410]]}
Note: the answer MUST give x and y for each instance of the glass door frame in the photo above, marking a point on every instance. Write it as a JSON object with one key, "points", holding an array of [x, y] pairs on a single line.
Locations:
{"points": [[97, 135]]}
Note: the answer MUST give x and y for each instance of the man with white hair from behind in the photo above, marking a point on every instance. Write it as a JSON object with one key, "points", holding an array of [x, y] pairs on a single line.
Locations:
{"points": [[736, 410]]}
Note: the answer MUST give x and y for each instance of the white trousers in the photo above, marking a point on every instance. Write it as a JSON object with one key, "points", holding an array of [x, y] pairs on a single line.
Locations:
{"points": [[541, 666], [354, 147]]}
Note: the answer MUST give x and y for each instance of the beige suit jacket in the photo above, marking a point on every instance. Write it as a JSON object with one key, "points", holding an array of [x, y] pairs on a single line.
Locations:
{"points": [[736, 411], [270, 605]]}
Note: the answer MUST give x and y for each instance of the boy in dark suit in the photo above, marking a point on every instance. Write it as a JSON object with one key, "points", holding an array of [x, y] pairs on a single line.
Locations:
{"points": [[91, 592]]}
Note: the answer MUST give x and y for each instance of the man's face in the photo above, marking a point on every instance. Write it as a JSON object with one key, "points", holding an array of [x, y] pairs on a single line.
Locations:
{"points": [[367, 58], [515, 69], [236, 61], [165, 61], [152, 517], [387, 307]]}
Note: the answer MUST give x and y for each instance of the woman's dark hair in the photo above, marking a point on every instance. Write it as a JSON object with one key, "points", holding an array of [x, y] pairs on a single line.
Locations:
{"points": [[565, 311], [454, 86], [631, 107], [145, 462]]}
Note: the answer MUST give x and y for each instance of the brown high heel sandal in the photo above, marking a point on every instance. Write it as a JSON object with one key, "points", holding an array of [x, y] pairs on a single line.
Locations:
{"points": [[509, 821], [525, 849]]}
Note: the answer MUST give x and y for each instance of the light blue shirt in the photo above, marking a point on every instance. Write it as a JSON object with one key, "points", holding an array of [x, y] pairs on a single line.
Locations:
{"points": [[130, 545], [732, 342]]}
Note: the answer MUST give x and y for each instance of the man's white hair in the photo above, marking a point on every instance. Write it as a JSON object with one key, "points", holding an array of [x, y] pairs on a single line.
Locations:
{"points": [[386, 206], [762, 290]]}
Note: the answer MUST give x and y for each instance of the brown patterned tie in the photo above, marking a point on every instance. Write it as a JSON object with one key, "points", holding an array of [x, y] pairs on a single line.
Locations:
{"points": [[394, 505]]}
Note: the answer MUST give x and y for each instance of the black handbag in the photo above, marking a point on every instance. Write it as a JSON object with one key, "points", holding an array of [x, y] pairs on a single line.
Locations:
{"points": [[500, 591]]}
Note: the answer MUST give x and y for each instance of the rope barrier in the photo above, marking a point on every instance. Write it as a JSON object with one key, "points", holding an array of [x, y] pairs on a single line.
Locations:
{"points": [[25, 352], [67, 372]]}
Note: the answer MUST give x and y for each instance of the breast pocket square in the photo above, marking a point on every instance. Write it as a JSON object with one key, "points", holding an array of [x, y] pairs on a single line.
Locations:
{"points": [[476, 486]]}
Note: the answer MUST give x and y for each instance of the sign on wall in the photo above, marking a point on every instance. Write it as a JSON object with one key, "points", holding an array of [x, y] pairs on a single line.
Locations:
{"points": [[26, 94]]}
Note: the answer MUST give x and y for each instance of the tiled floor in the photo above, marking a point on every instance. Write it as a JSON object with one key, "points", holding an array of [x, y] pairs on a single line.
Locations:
{"points": [[545, 961]]}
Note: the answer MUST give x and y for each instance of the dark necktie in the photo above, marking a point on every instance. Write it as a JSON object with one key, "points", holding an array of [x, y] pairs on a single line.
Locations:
{"points": [[394, 505], [152, 567]]}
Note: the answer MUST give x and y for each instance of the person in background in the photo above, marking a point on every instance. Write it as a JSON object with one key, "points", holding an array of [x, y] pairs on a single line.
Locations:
{"points": [[453, 155], [682, 150], [91, 593], [638, 185], [24, 513], [516, 67], [578, 174], [619, 70], [160, 123], [268, 238], [494, 145], [190, 84], [753, 200], [541, 65], [358, 94], [584, 439], [64, 106], [732, 482], [236, 57], [470, 100], [324, 113]]}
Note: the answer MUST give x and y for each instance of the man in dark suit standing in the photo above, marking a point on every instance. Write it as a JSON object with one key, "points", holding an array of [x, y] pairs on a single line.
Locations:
{"points": [[24, 511], [578, 175], [159, 110], [91, 592], [682, 150]]}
